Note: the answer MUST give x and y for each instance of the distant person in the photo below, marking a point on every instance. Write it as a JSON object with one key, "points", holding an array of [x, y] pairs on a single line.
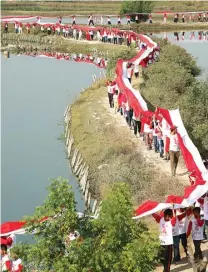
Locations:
{"points": [[204, 17], [109, 20], [129, 71], [115, 101], [73, 20], [6, 27], [5, 260], [165, 18], [136, 125], [183, 18], [101, 20], [150, 18], [136, 19], [90, 20], [174, 150], [175, 18], [128, 20], [110, 88], [119, 20], [199, 17], [60, 20]]}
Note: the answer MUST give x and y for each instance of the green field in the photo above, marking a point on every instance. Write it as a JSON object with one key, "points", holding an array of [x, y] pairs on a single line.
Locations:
{"points": [[87, 7]]}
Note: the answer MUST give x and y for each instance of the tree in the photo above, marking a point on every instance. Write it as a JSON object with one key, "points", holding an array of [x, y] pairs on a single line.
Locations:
{"points": [[171, 82], [113, 242], [132, 7], [176, 54]]}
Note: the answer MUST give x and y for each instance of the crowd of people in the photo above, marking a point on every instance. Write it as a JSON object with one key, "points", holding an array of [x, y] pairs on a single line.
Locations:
{"points": [[100, 34], [176, 225], [99, 61]]}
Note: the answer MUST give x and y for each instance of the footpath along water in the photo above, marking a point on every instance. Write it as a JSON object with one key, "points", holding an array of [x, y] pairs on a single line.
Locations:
{"points": [[195, 44], [35, 94]]}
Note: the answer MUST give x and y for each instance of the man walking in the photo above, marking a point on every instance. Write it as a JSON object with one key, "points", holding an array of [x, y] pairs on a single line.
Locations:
{"points": [[174, 150]]}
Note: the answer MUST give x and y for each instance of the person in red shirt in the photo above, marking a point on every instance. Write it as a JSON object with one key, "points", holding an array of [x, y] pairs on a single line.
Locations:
{"points": [[195, 227], [5, 261]]}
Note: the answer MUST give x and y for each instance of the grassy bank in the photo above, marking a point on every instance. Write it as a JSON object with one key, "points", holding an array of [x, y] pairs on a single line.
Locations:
{"points": [[86, 7], [111, 151]]}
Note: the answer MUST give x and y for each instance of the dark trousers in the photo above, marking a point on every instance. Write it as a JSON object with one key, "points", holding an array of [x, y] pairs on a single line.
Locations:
{"points": [[183, 239], [137, 126], [156, 145], [161, 147], [176, 241], [136, 74], [91, 22], [205, 229], [167, 257], [129, 117], [110, 98], [174, 157], [198, 252]]}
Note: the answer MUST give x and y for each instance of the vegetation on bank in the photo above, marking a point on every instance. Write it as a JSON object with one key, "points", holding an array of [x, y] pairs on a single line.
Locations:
{"points": [[112, 242], [86, 7], [172, 82]]}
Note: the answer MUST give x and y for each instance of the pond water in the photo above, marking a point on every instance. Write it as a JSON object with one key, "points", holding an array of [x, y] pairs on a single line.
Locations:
{"points": [[35, 94], [195, 42], [83, 20]]}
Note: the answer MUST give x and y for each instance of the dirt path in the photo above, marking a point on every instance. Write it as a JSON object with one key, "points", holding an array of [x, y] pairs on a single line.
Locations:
{"points": [[150, 156]]}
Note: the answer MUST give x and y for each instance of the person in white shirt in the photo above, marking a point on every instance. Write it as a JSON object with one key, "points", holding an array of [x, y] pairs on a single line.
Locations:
{"points": [[109, 20], [165, 132], [174, 150], [90, 20], [183, 226], [73, 20], [203, 204], [101, 20], [74, 33], [195, 227], [166, 224], [80, 34]]}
